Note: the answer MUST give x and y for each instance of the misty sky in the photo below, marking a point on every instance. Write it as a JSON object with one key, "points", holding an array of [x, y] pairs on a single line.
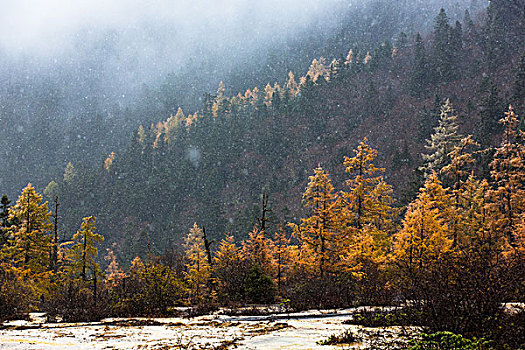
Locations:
{"points": [[110, 48], [51, 27], [117, 45]]}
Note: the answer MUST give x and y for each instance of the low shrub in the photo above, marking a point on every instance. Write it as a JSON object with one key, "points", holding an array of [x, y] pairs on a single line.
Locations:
{"points": [[14, 298], [374, 318], [332, 291], [260, 288], [347, 337], [449, 341], [151, 290], [508, 330], [74, 300]]}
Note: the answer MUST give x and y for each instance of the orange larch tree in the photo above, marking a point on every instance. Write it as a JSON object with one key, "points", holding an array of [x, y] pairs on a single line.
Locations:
{"points": [[319, 234], [508, 174]]}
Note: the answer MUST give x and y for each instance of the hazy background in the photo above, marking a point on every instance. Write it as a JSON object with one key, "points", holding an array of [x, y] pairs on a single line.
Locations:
{"points": [[78, 77], [104, 51], [116, 46]]}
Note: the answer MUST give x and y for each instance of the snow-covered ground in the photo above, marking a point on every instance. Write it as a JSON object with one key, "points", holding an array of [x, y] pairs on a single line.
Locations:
{"points": [[281, 331]]}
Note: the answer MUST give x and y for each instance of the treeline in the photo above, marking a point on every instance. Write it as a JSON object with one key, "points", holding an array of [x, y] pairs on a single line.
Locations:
{"points": [[454, 259]]}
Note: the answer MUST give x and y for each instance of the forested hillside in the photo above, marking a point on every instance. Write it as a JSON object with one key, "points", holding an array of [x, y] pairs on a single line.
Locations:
{"points": [[212, 166], [81, 100]]}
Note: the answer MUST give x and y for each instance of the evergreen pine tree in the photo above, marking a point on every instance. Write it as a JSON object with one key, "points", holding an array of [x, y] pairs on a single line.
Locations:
{"points": [[4, 217], [491, 108], [470, 28], [441, 53], [519, 84], [456, 51], [441, 142], [401, 41], [4, 214], [419, 77], [494, 34]]}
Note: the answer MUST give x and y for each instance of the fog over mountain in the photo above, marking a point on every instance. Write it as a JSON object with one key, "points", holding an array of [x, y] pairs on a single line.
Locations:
{"points": [[122, 44], [110, 49], [77, 78], [53, 26]]}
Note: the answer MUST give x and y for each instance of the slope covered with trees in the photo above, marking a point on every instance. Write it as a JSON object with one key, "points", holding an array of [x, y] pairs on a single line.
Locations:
{"points": [[212, 166], [79, 107], [453, 261]]}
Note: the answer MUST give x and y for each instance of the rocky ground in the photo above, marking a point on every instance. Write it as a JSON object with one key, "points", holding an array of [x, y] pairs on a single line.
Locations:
{"points": [[305, 330]]}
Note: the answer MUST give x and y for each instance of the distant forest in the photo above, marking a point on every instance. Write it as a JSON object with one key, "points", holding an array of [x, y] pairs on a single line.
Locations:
{"points": [[76, 109], [212, 166]]}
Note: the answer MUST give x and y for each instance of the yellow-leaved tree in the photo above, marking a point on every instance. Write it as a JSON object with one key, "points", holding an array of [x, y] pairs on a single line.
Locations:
{"points": [[76, 292], [459, 167], [150, 289], [367, 222], [25, 253], [368, 198], [84, 252], [198, 269], [506, 207], [367, 213], [230, 271], [31, 237], [425, 237], [472, 229], [259, 250], [319, 234], [508, 174]]}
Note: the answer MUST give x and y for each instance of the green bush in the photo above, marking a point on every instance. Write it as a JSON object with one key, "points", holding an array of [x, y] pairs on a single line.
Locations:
{"points": [[448, 341], [400, 317], [260, 288]]}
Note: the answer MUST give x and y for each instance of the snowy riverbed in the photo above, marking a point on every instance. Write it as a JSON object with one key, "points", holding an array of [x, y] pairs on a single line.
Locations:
{"points": [[281, 331]]}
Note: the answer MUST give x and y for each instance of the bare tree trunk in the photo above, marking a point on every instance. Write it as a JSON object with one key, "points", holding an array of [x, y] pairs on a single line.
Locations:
{"points": [[84, 252], [95, 296], [54, 258], [207, 246]]}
